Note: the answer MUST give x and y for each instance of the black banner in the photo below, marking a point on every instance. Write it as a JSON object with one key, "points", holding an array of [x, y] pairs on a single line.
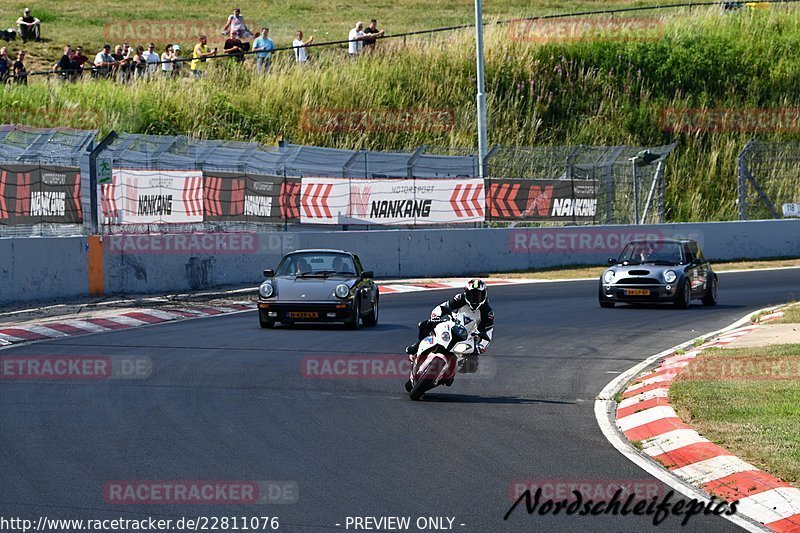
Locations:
{"points": [[250, 198], [33, 194], [546, 200]]}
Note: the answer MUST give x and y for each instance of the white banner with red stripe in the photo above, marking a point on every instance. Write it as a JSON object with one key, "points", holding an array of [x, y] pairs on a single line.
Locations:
{"points": [[152, 197], [391, 201]]}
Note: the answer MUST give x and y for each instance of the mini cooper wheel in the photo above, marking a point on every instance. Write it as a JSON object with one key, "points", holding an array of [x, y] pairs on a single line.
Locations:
{"points": [[684, 295], [711, 294]]}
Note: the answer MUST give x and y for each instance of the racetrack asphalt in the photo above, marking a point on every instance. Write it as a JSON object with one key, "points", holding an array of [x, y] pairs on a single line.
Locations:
{"points": [[230, 401]]}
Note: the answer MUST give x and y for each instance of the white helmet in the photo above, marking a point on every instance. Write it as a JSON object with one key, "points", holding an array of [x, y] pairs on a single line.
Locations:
{"points": [[475, 293]]}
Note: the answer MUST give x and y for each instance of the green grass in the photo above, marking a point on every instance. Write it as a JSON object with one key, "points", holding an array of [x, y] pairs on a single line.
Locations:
{"points": [[601, 90], [791, 315], [757, 419]]}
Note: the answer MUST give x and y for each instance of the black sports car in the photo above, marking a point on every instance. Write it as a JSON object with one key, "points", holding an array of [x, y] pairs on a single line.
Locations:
{"points": [[318, 286], [667, 270]]}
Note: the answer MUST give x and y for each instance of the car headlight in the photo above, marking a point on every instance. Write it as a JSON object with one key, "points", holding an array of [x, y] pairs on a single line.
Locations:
{"points": [[608, 277], [342, 291], [670, 276], [266, 290]]}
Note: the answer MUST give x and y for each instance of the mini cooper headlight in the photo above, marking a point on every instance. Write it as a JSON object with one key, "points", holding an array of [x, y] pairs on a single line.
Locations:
{"points": [[342, 291], [608, 277], [266, 289], [670, 276]]}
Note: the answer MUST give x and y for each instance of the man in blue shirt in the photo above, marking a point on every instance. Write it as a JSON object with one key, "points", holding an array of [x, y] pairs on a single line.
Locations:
{"points": [[263, 47]]}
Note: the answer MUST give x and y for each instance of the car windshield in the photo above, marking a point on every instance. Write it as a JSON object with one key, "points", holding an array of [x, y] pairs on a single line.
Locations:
{"points": [[652, 252], [316, 264]]}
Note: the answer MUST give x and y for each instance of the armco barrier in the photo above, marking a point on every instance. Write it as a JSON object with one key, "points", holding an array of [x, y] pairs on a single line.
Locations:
{"points": [[50, 268]]}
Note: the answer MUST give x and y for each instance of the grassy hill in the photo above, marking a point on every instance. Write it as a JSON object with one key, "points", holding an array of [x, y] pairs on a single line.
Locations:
{"points": [[599, 89]]}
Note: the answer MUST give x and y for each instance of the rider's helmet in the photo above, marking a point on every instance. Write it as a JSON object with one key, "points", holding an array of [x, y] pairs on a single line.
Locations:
{"points": [[475, 293]]}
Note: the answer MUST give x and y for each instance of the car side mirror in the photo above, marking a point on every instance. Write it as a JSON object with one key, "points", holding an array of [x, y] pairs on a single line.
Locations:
{"points": [[269, 273], [611, 261], [367, 274]]}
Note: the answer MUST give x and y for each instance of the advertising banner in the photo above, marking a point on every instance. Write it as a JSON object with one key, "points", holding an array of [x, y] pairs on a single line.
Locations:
{"points": [[33, 194], [391, 201], [550, 200], [152, 197]]}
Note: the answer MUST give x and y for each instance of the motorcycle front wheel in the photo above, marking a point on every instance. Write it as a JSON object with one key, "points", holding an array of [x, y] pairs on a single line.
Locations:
{"points": [[424, 385]]}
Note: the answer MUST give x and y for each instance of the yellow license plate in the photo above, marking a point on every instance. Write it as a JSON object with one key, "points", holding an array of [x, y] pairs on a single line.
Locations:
{"points": [[637, 292], [303, 314]]}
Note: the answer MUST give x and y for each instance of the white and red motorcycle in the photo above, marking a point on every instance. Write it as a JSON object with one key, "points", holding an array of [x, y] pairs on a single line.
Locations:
{"points": [[449, 349]]}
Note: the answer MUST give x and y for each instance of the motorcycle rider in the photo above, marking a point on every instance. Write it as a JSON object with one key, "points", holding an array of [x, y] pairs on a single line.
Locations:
{"points": [[474, 297]]}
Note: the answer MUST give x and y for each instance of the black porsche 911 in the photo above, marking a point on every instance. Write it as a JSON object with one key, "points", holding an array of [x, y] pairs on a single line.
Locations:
{"points": [[667, 270], [318, 286]]}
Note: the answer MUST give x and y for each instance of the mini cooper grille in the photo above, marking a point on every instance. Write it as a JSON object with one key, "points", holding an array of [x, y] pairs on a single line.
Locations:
{"points": [[638, 281], [638, 272]]}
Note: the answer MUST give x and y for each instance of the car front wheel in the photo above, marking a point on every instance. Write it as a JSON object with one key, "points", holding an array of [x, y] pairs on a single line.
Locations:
{"points": [[371, 318], [684, 296], [354, 322]]}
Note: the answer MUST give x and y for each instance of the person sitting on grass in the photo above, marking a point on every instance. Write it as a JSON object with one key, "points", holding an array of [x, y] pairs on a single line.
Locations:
{"points": [[29, 27], [236, 23]]}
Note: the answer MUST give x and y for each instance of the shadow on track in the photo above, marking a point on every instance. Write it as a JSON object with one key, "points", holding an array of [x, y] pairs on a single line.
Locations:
{"points": [[498, 400]]}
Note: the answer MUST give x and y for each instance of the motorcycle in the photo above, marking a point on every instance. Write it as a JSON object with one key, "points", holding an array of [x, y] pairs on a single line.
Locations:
{"points": [[450, 348]]}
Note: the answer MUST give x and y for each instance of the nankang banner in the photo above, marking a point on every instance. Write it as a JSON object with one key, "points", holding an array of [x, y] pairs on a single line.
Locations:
{"points": [[152, 197], [33, 194], [250, 198], [391, 201], [556, 200]]}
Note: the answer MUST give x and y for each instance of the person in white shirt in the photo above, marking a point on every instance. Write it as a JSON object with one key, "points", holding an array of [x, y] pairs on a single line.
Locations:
{"points": [[104, 62], [299, 45], [152, 59], [356, 38], [167, 64]]}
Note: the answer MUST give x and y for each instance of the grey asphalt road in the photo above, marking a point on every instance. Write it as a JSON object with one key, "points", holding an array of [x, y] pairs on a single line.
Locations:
{"points": [[230, 401]]}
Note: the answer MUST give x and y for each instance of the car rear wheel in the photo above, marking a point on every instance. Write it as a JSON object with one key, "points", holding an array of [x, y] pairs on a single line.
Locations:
{"points": [[371, 318], [684, 296], [711, 295]]}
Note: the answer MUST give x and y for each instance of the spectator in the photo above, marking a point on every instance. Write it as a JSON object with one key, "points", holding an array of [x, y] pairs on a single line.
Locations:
{"points": [[167, 61], [79, 60], [5, 65], [372, 33], [20, 73], [139, 63], [121, 69], [234, 47], [176, 69], [29, 27], [201, 53], [236, 23], [152, 59], [65, 65], [125, 55], [263, 47], [356, 38], [104, 63], [299, 45]]}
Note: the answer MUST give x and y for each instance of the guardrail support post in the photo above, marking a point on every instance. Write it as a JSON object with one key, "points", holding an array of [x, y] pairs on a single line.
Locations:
{"points": [[94, 226]]}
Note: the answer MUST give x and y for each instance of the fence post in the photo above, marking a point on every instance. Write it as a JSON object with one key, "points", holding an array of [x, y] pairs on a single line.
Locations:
{"points": [[610, 183], [413, 160], [742, 181], [487, 185], [94, 227]]}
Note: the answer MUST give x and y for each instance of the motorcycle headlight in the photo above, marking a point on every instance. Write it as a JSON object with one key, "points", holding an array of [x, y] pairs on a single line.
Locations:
{"points": [[342, 291], [670, 276], [266, 289], [608, 277]]}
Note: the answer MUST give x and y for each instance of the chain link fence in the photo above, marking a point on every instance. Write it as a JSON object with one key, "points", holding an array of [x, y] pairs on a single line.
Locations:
{"points": [[769, 180], [241, 186]]}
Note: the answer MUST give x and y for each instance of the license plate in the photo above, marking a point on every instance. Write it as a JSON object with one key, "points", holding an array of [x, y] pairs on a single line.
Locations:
{"points": [[637, 292], [303, 314]]}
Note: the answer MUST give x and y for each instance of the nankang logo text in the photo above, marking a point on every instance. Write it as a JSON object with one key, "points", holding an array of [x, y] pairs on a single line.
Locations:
{"points": [[580, 207], [154, 204], [400, 209]]}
